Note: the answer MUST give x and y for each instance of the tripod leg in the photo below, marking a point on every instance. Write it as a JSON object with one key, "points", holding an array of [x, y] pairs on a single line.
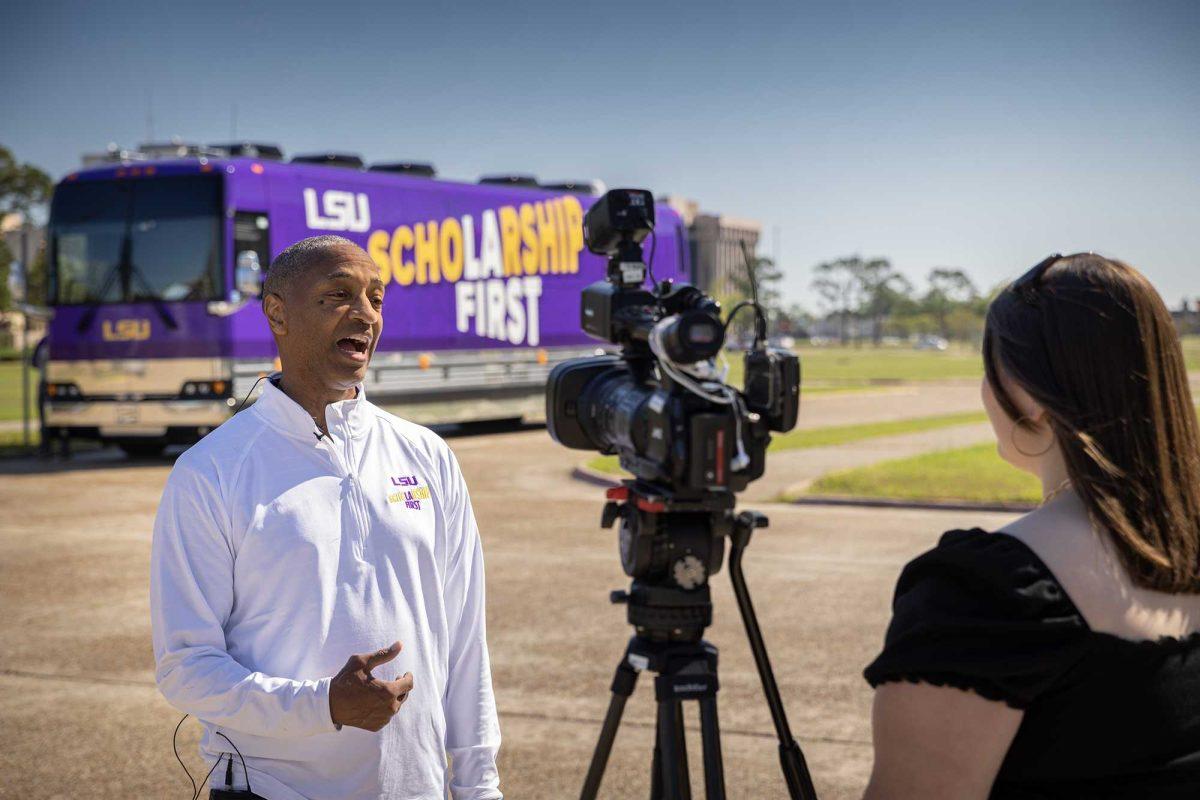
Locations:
{"points": [[672, 762], [622, 687], [656, 767], [795, 769], [685, 778], [710, 733]]}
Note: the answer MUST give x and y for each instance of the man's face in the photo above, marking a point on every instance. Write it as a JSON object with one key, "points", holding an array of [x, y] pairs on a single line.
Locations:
{"points": [[328, 324]]}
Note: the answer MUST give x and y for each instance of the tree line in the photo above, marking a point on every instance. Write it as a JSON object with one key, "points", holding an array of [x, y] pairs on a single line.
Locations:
{"points": [[23, 187], [868, 297]]}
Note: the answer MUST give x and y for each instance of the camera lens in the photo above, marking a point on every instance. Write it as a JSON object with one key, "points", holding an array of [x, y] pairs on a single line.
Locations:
{"points": [[692, 336]]}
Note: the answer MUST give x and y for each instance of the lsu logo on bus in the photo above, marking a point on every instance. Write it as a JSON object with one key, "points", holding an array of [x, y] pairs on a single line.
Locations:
{"points": [[337, 211], [125, 330]]}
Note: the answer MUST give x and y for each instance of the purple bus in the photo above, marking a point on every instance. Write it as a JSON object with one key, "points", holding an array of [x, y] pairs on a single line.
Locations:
{"points": [[156, 270]]}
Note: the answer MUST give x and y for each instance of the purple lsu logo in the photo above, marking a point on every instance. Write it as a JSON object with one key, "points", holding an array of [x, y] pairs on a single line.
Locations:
{"points": [[405, 480]]}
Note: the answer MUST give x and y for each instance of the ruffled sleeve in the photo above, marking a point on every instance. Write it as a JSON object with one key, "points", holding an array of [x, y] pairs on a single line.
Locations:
{"points": [[981, 612]]}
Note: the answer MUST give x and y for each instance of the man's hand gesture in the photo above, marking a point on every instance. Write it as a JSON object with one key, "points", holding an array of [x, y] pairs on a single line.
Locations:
{"points": [[361, 701]]}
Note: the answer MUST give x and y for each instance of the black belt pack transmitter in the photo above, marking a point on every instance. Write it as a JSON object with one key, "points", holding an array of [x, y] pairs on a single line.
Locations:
{"points": [[233, 794]]}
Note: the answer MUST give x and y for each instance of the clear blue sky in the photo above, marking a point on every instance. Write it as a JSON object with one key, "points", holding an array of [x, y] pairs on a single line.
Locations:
{"points": [[976, 135]]}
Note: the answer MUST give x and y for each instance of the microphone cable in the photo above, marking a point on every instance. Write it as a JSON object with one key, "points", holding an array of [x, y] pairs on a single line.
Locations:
{"points": [[252, 388], [245, 772], [175, 747], [196, 790]]}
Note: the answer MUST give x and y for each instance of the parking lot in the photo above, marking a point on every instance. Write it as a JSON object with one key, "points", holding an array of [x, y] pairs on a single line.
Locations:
{"points": [[79, 712]]}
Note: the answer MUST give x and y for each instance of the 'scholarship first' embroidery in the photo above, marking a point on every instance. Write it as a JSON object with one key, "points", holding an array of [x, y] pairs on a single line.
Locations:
{"points": [[411, 493]]}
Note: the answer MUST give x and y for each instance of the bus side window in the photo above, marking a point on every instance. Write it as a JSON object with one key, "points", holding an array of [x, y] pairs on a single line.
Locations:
{"points": [[252, 251]]}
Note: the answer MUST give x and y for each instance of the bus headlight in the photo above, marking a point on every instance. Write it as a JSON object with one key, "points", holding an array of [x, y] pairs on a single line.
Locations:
{"points": [[205, 390], [63, 391]]}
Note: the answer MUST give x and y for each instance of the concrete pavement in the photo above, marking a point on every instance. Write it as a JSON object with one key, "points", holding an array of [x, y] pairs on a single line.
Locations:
{"points": [[79, 712]]}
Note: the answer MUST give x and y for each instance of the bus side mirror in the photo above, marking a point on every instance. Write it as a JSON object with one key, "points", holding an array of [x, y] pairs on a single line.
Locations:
{"points": [[248, 275]]}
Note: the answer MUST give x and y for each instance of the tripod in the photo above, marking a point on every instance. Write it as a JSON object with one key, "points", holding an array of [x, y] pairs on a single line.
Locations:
{"points": [[687, 670]]}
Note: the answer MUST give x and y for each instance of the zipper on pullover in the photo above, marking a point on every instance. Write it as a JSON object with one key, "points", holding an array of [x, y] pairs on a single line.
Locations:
{"points": [[343, 461]]}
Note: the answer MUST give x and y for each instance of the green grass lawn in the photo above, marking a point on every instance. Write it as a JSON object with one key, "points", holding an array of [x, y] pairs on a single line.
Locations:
{"points": [[868, 366], [10, 391], [835, 435], [844, 434], [12, 441], [972, 474], [834, 368], [1191, 351], [851, 367]]}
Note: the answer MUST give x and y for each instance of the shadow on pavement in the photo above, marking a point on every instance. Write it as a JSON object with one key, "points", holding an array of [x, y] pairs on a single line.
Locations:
{"points": [[83, 459], [112, 457]]}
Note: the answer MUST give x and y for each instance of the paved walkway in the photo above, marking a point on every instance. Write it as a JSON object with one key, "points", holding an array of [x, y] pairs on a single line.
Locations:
{"points": [[885, 405], [790, 471]]}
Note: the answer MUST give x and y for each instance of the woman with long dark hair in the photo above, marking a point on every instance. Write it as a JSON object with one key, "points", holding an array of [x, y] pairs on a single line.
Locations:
{"points": [[1059, 656]]}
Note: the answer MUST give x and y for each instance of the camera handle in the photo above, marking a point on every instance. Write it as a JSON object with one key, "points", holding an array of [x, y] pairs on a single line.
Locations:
{"points": [[795, 768]]}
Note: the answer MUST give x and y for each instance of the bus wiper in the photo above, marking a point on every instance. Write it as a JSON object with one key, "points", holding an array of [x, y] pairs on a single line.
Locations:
{"points": [[126, 269], [153, 297], [89, 316]]}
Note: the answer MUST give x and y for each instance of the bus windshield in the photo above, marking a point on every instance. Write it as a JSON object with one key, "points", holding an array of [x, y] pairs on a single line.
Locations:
{"points": [[147, 239]]}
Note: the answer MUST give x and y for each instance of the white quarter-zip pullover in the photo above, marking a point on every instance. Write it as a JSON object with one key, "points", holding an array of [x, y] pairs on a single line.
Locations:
{"points": [[277, 555]]}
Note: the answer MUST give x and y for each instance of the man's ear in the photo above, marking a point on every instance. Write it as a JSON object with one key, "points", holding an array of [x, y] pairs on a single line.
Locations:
{"points": [[273, 308]]}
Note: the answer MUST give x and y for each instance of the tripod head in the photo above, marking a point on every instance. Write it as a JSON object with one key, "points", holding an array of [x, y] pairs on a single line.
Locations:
{"points": [[671, 545]]}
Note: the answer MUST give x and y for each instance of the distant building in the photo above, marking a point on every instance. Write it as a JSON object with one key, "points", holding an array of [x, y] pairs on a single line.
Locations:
{"points": [[716, 241], [1187, 317], [24, 243]]}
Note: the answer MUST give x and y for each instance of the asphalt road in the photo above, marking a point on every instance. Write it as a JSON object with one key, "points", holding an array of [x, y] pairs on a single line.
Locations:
{"points": [[80, 716]]}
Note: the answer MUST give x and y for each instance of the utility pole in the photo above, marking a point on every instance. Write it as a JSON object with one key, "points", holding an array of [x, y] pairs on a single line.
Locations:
{"points": [[26, 260]]}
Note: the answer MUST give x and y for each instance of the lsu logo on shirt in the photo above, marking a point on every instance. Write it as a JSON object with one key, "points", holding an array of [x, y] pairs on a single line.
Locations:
{"points": [[411, 492]]}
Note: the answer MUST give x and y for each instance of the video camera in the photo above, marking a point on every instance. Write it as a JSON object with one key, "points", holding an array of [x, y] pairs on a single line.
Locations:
{"points": [[661, 405]]}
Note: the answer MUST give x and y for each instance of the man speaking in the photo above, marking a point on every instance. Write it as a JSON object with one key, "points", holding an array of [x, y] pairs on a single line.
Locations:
{"points": [[315, 528]]}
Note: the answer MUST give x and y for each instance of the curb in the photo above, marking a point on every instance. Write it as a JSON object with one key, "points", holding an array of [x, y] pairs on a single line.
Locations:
{"points": [[594, 477], [923, 505], [597, 478]]}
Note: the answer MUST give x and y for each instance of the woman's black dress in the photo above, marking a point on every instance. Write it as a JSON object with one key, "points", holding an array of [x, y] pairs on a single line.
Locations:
{"points": [[1105, 717]]}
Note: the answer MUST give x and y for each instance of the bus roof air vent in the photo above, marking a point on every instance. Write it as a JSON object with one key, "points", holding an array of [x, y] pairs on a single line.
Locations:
{"points": [[526, 181], [348, 160], [414, 168], [267, 152], [594, 188], [175, 148]]}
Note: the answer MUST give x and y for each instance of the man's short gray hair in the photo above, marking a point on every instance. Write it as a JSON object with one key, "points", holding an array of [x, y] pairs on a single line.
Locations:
{"points": [[299, 258]]}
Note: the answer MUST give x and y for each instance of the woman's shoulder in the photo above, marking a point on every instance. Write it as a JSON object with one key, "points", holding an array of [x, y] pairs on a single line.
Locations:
{"points": [[983, 570], [1087, 567], [981, 611]]}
